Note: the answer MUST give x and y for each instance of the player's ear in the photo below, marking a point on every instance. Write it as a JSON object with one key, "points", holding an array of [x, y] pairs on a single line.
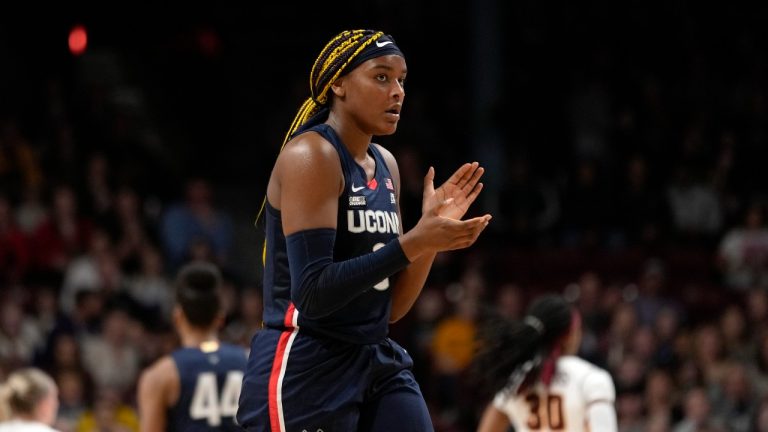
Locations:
{"points": [[338, 88]]}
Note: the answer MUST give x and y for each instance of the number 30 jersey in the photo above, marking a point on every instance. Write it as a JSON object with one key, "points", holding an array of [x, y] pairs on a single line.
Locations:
{"points": [[576, 385], [210, 379]]}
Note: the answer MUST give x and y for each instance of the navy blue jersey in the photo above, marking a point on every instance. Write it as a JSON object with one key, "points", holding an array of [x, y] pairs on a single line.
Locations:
{"points": [[210, 388], [367, 219], [338, 372]]}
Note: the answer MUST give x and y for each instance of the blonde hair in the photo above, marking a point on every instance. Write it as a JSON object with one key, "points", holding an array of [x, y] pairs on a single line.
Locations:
{"points": [[23, 391]]}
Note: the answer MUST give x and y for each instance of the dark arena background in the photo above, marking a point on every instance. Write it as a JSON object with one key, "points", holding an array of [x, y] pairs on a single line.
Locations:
{"points": [[626, 156]]}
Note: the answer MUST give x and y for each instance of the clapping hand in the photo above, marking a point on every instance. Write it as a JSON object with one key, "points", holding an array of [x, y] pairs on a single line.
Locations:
{"points": [[461, 189], [441, 227]]}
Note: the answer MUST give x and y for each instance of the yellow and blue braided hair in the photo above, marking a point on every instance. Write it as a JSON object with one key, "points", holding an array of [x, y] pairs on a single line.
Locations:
{"points": [[332, 63], [339, 56]]}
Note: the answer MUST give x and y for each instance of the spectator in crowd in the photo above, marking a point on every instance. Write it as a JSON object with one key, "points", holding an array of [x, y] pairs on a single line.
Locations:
{"points": [[20, 167], [743, 251], [709, 353], [74, 398], [97, 190], [109, 413], [660, 399], [452, 349], [111, 356], [758, 370], [150, 287], [31, 210], [695, 209], [15, 253], [698, 414], [733, 327], [130, 229], [642, 211], [529, 206], [196, 222], [64, 235], [247, 320], [734, 400], [584, 206], [760, 418], [19, 338], [96, 270]]}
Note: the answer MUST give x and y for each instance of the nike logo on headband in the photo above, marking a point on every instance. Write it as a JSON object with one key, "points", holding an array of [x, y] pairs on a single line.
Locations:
{"points": [[381, 44]]}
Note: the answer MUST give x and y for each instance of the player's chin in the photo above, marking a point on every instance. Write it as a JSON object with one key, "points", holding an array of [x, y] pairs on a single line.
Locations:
{"points": [[386, 128]]}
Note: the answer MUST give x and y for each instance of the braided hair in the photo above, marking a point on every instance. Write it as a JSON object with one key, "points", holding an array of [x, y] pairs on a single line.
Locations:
{"points": [[513, 355], [334, 61], [341, 54]]}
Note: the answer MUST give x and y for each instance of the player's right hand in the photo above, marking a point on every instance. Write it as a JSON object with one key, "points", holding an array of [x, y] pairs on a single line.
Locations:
{"points": [[435, 233]]}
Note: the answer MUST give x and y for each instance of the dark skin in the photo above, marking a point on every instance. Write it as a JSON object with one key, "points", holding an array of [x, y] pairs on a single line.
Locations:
{"points": [[307, 178]]}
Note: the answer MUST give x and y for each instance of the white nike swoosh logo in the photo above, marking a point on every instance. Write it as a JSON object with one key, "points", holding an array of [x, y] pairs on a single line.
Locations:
{"points": [[357, 189], [381, 44]]}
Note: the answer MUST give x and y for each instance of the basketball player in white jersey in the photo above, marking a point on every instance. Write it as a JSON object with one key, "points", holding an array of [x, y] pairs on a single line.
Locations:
{"points": [[539, 382]]}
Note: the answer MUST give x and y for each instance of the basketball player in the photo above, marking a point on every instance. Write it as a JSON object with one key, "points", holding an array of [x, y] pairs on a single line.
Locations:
{"points": [[29, 402], [197, 387], [338, 269], [539, 382]]}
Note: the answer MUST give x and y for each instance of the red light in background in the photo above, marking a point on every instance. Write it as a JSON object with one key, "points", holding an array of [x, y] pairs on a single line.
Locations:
{"points": [[208, 42], [78, 40]]}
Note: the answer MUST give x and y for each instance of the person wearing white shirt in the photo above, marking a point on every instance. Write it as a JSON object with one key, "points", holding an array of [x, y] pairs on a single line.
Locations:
{"points": [[539, 382], [29, 402]]}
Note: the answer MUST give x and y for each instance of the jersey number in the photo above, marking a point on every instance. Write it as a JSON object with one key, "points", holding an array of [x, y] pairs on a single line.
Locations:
{"points": [[383, 285], [208, 404], [554, 412]]}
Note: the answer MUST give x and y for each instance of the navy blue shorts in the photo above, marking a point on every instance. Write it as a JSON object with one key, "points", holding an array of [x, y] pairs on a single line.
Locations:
{"points": [[298, 382]]}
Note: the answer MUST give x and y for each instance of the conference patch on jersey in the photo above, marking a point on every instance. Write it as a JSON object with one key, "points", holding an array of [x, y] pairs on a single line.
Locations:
{"points": [[356, 201], [388, 184]]}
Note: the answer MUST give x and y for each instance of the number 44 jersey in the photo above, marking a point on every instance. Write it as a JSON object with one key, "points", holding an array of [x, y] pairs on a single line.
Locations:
{"points": [[210, 380], [576, 385]]}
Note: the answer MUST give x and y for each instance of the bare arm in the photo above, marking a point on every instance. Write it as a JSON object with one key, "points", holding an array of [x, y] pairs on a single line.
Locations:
{"points": [[309, 180], [306, 184], [158, 390], [493, 420]]}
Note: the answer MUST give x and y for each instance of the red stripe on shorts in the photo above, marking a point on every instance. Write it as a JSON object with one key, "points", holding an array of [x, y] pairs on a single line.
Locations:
{"points": [[277, 368]]}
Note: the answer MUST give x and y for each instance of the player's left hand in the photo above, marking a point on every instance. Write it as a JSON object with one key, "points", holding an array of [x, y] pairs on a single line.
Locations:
{"points": [[463, 187]]}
